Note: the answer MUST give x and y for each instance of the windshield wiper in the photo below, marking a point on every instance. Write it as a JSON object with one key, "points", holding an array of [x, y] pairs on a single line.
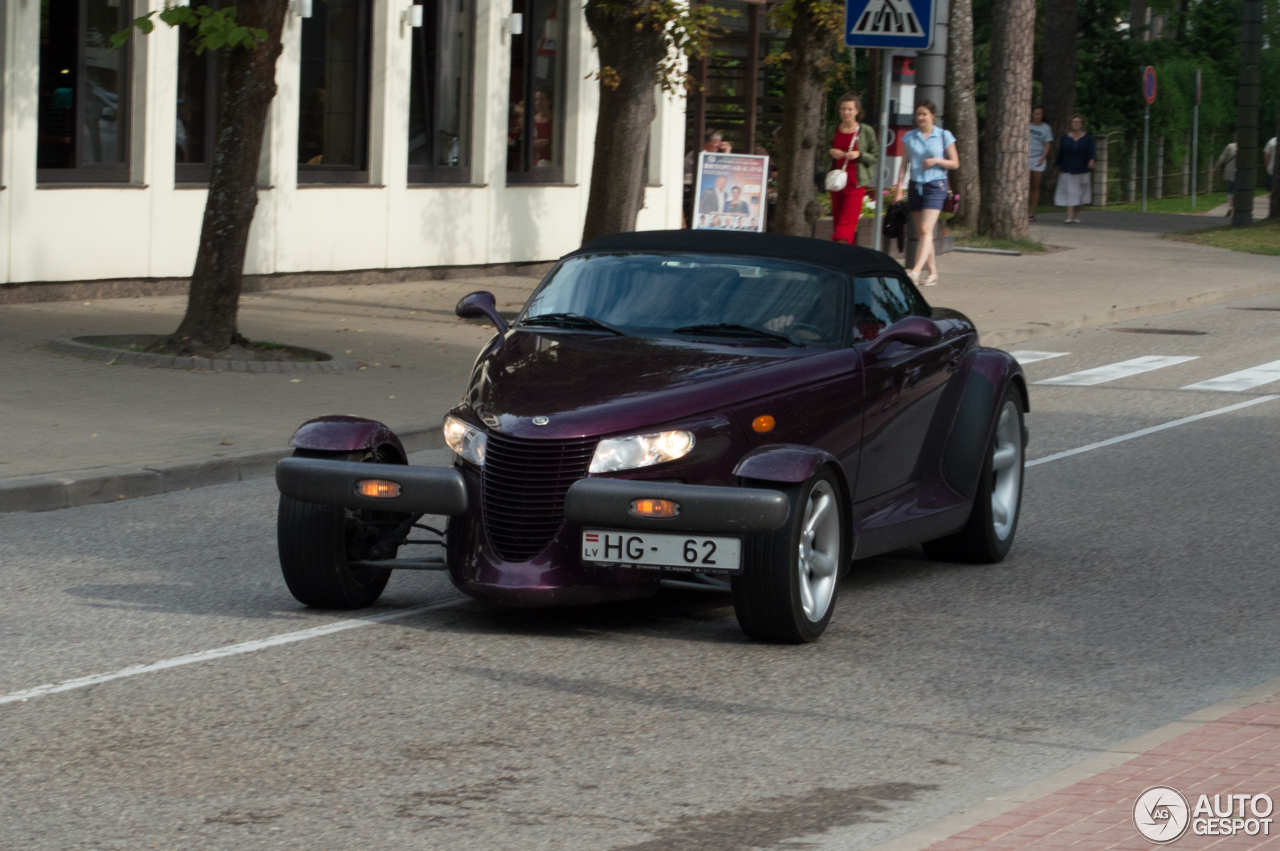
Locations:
{"points": [[571, 320], [728, 329]]}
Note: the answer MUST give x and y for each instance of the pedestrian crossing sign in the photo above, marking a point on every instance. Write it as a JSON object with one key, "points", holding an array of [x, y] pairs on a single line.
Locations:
{"points": [[906, 24]]}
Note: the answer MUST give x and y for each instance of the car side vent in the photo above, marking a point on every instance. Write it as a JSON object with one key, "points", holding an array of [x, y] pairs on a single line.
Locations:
{"points": [[525, 482]]}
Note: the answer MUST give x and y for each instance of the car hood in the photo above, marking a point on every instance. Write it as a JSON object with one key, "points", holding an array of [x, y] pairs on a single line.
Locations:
{"points": [[586, 385]]}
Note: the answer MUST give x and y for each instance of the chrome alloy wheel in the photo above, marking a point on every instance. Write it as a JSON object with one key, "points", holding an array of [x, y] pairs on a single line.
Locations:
{"points": [[819, 551], [1006, 470]]}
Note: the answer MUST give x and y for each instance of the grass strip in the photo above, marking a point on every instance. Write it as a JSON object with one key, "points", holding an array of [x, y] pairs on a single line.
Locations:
{"points": [[1262, 237]]}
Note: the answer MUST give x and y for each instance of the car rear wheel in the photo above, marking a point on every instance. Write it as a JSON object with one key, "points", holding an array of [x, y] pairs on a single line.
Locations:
{"points": [[786, 591], [317, 544], [988, 534]]}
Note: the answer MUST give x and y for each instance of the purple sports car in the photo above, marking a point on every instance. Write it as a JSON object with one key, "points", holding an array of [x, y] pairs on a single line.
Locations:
{"points": [[744, 411]]}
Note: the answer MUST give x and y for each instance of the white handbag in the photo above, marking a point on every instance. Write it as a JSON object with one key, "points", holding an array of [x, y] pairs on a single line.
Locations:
{"points": [[838, 178]]}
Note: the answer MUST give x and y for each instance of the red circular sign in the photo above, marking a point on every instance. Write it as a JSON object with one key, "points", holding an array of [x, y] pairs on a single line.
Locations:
{"points": [[1149, 83]]}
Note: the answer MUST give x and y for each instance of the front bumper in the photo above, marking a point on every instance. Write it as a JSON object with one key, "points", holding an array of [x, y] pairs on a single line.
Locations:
{"points": [[423, 490], [703, 509]]}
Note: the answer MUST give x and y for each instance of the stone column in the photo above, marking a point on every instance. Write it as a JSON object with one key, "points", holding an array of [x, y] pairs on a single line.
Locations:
{"points": [[1100, 172]]}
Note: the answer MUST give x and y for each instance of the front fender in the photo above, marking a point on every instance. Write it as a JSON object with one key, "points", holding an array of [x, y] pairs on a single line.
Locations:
{"points": [[990, 374], [346, 434], [783, 462]]}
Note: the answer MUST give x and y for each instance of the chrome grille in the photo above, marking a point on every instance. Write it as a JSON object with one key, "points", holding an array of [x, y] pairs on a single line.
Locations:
{"points": [[525, 482]]}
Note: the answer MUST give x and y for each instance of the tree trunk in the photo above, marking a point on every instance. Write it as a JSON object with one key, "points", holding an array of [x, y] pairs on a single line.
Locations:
{"points": [[1061, 31], [1004, 164], [1248, 151], [209, 325], [809, 47], [962, 114], [629, 57]]}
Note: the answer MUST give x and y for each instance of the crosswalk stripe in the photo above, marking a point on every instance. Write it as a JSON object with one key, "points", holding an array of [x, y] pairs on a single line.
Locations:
{"points": [[1113, 371], [1245, 379], [1032, 357]]}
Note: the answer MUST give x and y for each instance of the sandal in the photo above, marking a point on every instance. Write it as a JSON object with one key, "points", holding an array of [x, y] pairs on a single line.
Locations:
{"points": [[931, 281]]}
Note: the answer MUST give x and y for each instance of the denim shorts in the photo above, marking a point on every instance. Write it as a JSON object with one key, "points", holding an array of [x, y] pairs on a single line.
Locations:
{"points": [[926, 196]]}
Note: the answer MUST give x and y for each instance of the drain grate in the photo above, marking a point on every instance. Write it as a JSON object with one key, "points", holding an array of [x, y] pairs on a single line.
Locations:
{"points": [[1161, 331]]}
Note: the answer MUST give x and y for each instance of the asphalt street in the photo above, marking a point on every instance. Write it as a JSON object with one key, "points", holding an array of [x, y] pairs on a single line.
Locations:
{"points": [[1140, 589]]}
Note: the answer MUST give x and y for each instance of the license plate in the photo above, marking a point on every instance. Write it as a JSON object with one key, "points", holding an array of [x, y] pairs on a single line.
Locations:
{"points": [[656, 551]]}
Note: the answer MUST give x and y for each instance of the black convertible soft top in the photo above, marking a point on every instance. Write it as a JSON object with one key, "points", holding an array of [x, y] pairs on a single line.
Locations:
{"points": [[850, 259]]}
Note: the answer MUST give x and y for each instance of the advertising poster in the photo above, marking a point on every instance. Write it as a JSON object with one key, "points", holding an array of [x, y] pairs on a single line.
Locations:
{"points": [[731, 192]]}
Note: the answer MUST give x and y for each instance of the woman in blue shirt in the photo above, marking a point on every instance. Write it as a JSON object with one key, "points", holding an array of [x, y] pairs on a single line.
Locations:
{"points": [[930, 153], [1076, 157]]}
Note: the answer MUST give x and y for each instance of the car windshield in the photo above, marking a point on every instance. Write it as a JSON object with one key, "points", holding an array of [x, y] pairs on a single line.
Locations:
{"points": [[693, 296]]}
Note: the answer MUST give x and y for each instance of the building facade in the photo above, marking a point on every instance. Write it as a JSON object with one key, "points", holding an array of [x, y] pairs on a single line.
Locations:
{"points": [[464, 141]]}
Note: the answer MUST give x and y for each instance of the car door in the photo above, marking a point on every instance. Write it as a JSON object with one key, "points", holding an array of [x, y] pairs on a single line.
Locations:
{"points": [[904, 385]]}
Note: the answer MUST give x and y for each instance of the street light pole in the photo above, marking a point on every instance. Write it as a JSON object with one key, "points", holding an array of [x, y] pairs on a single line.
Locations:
{"points": [[1195, 140]]}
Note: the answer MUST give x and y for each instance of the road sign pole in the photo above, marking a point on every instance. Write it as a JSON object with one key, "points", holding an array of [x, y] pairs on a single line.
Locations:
{"points": [[1146, 133], [886, 72], [1195, 149], [1195, 140]]}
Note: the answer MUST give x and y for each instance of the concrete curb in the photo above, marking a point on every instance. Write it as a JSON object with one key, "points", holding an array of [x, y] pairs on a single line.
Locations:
{"points": [[1048, 329], [944, 828], [90, 351], [50, 491]]}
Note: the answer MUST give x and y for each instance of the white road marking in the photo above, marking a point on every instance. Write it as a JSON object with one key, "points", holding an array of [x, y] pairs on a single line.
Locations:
{"points": [[1113, 371], [1143, 432], [1032, 357], [220, 652], [1245, 379]]}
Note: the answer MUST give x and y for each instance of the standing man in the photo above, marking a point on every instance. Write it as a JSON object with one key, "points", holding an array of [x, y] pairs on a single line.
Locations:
{"points": [[713, 197], [1041, 142]]}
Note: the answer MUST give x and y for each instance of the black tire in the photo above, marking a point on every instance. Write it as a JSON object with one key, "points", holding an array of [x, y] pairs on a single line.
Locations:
{"points": [[978, 541], [767, 594], [316, 544]]}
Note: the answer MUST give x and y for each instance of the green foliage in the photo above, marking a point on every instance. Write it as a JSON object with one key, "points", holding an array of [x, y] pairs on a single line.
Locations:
{"points": [[216, 29]]}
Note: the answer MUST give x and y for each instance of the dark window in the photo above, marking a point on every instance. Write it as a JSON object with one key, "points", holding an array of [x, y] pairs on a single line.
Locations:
{"points": [[535, 120], [880, 302], [728, 299], [197, 110], [83, 133], [439, 93], [333, 117]]}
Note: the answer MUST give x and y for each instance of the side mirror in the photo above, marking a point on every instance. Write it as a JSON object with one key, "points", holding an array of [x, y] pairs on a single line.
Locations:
{"points": [[913, 330], [481, 305]]}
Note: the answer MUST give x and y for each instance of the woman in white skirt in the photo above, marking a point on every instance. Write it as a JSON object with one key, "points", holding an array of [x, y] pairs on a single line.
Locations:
{"points": [[1076, 158]]}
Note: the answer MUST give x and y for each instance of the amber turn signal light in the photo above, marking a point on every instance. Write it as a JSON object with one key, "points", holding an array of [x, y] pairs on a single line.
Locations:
{"points": [[378, 488], [654, 507], [763, 424]]}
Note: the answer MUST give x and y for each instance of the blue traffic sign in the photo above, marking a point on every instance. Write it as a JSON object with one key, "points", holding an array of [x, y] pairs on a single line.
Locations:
{"points": [[1149, 84], [906, 24]]}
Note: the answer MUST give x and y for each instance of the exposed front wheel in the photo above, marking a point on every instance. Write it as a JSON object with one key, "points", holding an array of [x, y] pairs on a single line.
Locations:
{"points": [[786, 591], [317, 544], [988, 534]]}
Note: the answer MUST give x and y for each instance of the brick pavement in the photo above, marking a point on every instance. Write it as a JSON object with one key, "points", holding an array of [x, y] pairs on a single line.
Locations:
{"points": [[1214, 753]]}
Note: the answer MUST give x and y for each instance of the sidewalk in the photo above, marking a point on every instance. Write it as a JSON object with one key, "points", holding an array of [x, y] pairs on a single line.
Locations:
{"points": [[126, 430], [1232, 748]]}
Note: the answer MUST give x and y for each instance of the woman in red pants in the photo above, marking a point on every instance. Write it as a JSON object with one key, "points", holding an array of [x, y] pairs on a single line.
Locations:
{"points": [[855, 151]]}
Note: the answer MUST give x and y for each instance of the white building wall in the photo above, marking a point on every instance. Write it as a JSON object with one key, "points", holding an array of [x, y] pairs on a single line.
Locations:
{"points": [[151, 228]]}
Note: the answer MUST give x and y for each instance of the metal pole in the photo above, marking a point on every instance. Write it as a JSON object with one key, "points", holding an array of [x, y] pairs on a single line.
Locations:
{"points": [[886, 72], [1195, 148], [1146, 132]]}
